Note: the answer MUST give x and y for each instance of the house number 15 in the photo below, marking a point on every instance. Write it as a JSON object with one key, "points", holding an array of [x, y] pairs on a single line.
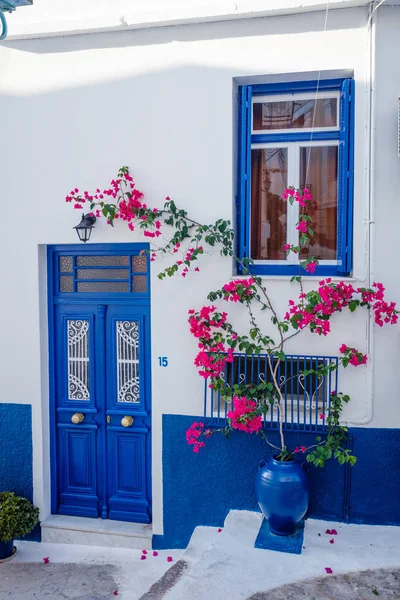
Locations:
{"points": [[163, 361]]}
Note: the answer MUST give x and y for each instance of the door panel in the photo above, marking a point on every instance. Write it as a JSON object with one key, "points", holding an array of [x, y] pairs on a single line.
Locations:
{"points": [[127, 402], [76, 409]]}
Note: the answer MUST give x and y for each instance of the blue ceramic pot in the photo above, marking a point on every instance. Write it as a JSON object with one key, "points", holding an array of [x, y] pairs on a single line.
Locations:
{"points": [[6, 549], [282, 490]]}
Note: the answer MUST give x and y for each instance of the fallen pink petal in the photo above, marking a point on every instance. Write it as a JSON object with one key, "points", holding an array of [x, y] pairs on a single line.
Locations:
{"points": [[219, 529], [46, 560], [144, 551], [328, 531], [169, 559], [333, 532], [115, 593], [143, 557], [328, 570], [332, 541], [155, 553]]}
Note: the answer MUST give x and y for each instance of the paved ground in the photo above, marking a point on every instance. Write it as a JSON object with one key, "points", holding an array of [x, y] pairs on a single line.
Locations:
{"points": [[355, 563], [379, 584], [32, 581], [81, 572]]}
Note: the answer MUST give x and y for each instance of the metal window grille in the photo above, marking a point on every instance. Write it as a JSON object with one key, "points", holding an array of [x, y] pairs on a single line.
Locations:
{"points": [[306, 398]]}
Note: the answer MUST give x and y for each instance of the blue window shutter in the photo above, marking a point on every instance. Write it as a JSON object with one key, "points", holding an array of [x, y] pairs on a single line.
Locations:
{"points": [[345, 187], [243, 216], [350, 191]]}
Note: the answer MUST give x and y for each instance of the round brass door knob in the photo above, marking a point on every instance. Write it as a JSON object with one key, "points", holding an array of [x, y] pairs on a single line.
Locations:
{"points": [[126, 421], [77, 418]]}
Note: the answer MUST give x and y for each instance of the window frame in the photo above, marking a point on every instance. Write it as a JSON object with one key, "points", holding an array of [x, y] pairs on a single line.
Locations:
{"points": [[342, 135]]}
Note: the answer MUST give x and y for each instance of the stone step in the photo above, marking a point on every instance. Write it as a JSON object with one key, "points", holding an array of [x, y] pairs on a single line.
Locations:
{"points": [[64, 529]]}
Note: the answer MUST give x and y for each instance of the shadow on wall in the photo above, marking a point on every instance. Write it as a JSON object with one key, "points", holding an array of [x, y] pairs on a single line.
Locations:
{"points": [[278, 25], [201, 489]]}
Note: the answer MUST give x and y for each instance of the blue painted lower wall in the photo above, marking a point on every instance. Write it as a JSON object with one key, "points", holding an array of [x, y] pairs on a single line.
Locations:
{"points": [[16, 474], [16, 458], [201, 489]]}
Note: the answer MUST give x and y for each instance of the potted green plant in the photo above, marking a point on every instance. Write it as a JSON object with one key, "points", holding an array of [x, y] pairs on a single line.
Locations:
{"points": [[18, 517]]}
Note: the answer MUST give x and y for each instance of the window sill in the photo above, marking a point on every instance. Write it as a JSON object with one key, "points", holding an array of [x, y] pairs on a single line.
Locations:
{"points": [[305, 277], [289, 271]]}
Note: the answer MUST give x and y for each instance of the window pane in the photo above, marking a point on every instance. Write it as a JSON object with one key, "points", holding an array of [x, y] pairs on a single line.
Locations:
{"points": [[102, 273], [268, 210], [128, 361], [295, 114], [78, 360], [66, 264], [103, 286], [102, 261], [319, 173], [139, 283], [66, 284], [139, 264]]}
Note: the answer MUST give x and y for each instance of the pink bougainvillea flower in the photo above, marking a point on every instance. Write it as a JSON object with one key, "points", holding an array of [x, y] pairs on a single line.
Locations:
{"points": [[311, 266], [143, 557], [77, 205], [332, 541], [243, 416], [343, 348], [46, 560], [302, 227], [286, 247], [169, 558], [155, 553], [322, 416], [328, 570]]}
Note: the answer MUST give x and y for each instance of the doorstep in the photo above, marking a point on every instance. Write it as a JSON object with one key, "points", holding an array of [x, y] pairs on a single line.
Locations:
{"points": [[64, 529]]}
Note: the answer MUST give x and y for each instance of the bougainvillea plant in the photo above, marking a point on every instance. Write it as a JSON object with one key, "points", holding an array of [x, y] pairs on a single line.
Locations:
{"points": [[172, 232]]}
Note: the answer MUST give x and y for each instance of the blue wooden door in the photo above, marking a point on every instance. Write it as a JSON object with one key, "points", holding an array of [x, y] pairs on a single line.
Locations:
{"points": [[101, 406], [128, 442]]}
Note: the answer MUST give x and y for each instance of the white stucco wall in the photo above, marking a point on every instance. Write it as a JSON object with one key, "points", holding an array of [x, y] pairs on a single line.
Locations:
{"points": [[75, 109], [386, 210]]}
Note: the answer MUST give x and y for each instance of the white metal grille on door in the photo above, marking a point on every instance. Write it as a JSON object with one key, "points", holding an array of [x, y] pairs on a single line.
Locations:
{"points": [[128, 361], [78, 360]]}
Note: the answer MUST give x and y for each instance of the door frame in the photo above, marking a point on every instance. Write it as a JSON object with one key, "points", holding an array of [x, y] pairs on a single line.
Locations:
{"points": [[116, 298]]}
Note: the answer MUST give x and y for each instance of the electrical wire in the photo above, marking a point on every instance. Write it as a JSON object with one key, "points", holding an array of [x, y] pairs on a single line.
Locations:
{"points": [[316, 97]]}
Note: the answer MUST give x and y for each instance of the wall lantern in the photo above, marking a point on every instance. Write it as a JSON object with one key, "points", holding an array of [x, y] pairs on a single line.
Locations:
{"points": [[9, 6], [84, 228]]}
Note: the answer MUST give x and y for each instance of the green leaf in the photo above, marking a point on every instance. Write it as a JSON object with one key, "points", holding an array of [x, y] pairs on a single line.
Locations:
{"points": [[353, 305]]}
